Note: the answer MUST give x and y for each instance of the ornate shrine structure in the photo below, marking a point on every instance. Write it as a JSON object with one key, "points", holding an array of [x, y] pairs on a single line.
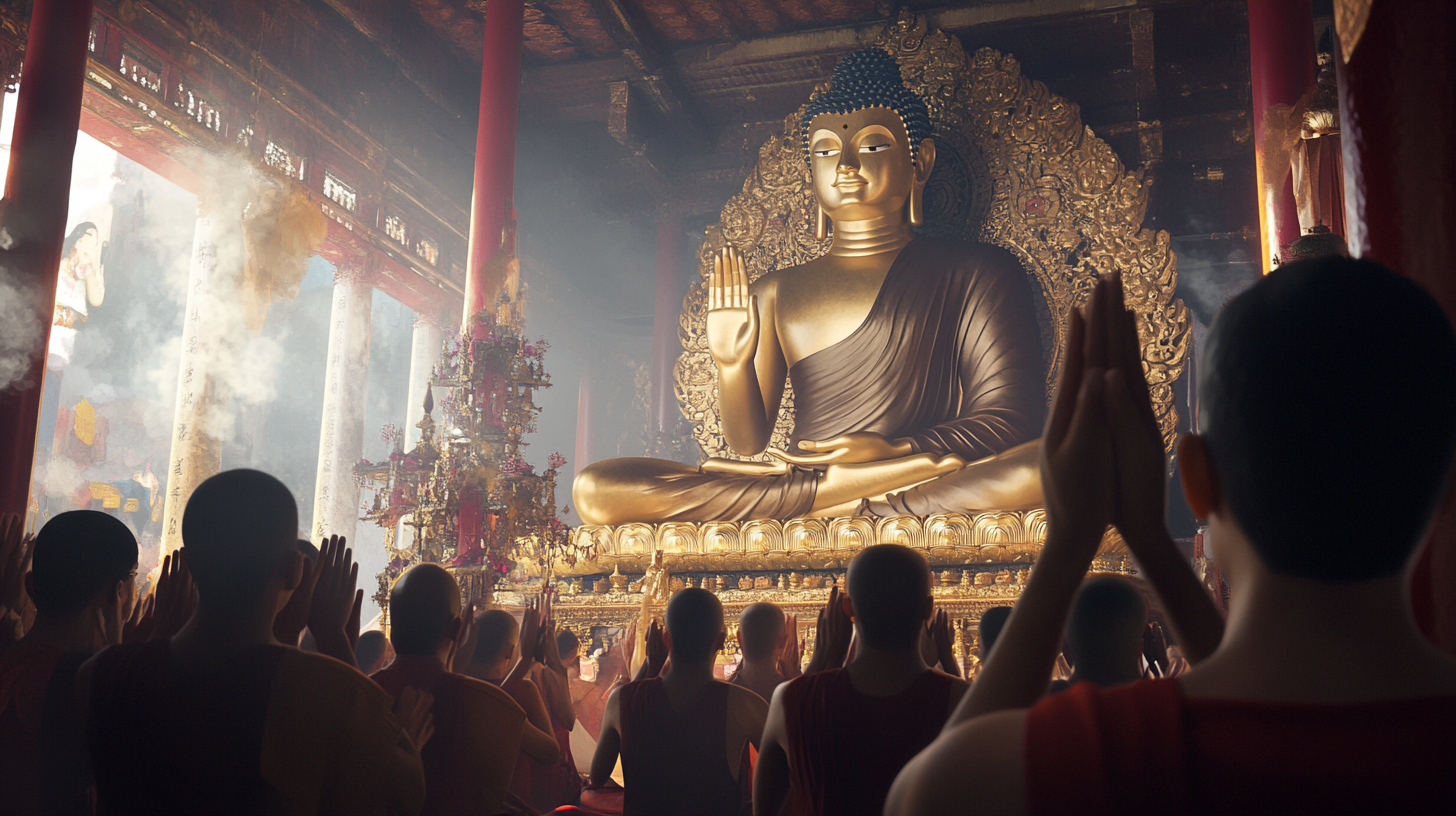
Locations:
{"points": [[1015, 167]]}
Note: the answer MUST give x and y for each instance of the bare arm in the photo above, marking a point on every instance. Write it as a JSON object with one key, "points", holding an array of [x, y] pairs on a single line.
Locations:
{"points": [[609, 742], [538, 741], [771, 775], [556, 688]]}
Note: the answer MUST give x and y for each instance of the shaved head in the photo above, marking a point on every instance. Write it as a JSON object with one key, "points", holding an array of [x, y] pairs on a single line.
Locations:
{"points": [[889, 587], [695, 623], [423, 603], [240, 528], [496, 632], [1106, 624], [760, 628]]}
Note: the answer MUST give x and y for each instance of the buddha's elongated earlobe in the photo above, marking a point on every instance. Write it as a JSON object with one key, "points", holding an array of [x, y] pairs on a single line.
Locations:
{"points": [[917, 204], [821, 224]]}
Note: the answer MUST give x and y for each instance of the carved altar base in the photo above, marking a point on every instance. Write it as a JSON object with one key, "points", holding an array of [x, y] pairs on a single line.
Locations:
{"points": [[977, 561]]}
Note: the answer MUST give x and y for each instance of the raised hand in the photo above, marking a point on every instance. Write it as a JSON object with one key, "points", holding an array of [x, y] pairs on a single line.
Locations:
{"points": [[732, 312], [291, 620], [139, 626], [15, 553], [656, 650], [1141, 461], [791, 661], [940, 635], [1076, 450], [530, 629], [175, 599], [412, 708], [832, 635], [462, 649], [333, 599]]}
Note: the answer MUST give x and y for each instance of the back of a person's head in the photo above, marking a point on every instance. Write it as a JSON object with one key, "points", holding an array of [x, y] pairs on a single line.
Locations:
{"points": [[567, 644], [77, 555], [889, 586], [370, 649], [695, 623], [760, 627], [495, 632], [422, 604], [1330, 383], [1105, 626], [993, 620], [239, 529]]}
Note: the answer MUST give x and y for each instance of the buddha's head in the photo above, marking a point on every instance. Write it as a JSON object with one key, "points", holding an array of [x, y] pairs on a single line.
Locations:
{"points": [[868, 141]]}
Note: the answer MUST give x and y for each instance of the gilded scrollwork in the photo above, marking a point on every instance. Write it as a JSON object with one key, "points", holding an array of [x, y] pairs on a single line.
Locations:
{"points": [[1015, 168]]}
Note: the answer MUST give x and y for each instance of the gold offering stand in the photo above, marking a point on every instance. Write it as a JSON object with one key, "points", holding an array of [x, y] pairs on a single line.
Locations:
{"points": [[1015, 167]]}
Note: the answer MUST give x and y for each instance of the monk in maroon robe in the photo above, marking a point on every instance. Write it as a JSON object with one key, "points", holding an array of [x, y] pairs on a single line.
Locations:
{"points": [[681, 737], [1322, 696], [470, 759], [84, 566], [835, 739]]}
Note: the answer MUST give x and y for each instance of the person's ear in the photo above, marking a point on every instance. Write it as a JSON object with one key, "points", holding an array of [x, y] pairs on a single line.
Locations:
{"points": [[924, 161], [667, 639], [927, 607], [457, 625], [847, 605], [1200, 482], [719, 643]]}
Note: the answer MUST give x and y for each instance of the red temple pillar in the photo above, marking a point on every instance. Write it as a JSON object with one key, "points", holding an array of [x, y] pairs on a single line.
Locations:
{"points": [[1397, 128], [495, 150], [495, 178], [37, 196], [667, 305], [1282, 65]]}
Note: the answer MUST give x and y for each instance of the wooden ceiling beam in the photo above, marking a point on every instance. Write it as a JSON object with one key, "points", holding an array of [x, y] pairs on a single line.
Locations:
{"points": [[650, 66]]}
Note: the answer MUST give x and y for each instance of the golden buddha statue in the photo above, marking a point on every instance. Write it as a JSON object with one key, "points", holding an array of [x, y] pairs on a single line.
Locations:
{"points": [[916, 363]]}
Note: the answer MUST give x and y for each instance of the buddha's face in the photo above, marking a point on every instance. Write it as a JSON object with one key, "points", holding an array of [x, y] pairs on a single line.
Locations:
{"points": [[862, 164]]}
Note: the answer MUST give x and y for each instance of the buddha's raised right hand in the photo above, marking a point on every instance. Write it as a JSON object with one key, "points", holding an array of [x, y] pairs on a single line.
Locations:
{"points": [[732, 312]]}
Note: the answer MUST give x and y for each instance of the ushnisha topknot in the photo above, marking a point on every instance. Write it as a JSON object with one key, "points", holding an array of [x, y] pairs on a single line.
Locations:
{"points": [[866, 79]]}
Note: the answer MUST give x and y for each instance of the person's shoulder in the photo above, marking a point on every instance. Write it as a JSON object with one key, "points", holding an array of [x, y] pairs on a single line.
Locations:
{"points": [[308, 669], [471, 688], [979, 761], [745, 698]]}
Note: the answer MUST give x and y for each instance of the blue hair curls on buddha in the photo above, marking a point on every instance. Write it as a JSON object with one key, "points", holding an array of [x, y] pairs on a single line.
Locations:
{"points": [[870, 78]]}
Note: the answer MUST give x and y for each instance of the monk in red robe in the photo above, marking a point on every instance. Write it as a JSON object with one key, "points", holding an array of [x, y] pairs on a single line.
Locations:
{"points": [[222, 718], [84, 568], [836, 738], [499, 639], [681, 736], [769, 641], [470, 759], [1322, 696]]}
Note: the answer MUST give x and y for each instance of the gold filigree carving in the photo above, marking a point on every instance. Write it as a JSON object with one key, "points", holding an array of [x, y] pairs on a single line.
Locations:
{"points": [[1015, 167], [949, 539]]}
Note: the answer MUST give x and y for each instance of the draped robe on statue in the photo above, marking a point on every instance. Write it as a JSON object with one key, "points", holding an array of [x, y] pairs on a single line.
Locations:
{"points": [[950, 356]]}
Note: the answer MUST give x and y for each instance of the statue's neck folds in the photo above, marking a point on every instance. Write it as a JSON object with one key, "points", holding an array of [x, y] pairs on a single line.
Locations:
{"points": [[873, 236]]}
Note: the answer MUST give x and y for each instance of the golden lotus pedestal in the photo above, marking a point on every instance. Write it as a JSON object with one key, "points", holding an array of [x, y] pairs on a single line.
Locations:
{"points": [[977, 561]]}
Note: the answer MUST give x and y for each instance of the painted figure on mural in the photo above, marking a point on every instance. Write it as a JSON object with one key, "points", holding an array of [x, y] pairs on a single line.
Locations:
{"points": [[916, 363], [81, 283]]}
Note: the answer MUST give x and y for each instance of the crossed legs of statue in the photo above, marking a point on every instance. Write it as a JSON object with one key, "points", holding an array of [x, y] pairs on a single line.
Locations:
{"points": [[617, 491]]}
